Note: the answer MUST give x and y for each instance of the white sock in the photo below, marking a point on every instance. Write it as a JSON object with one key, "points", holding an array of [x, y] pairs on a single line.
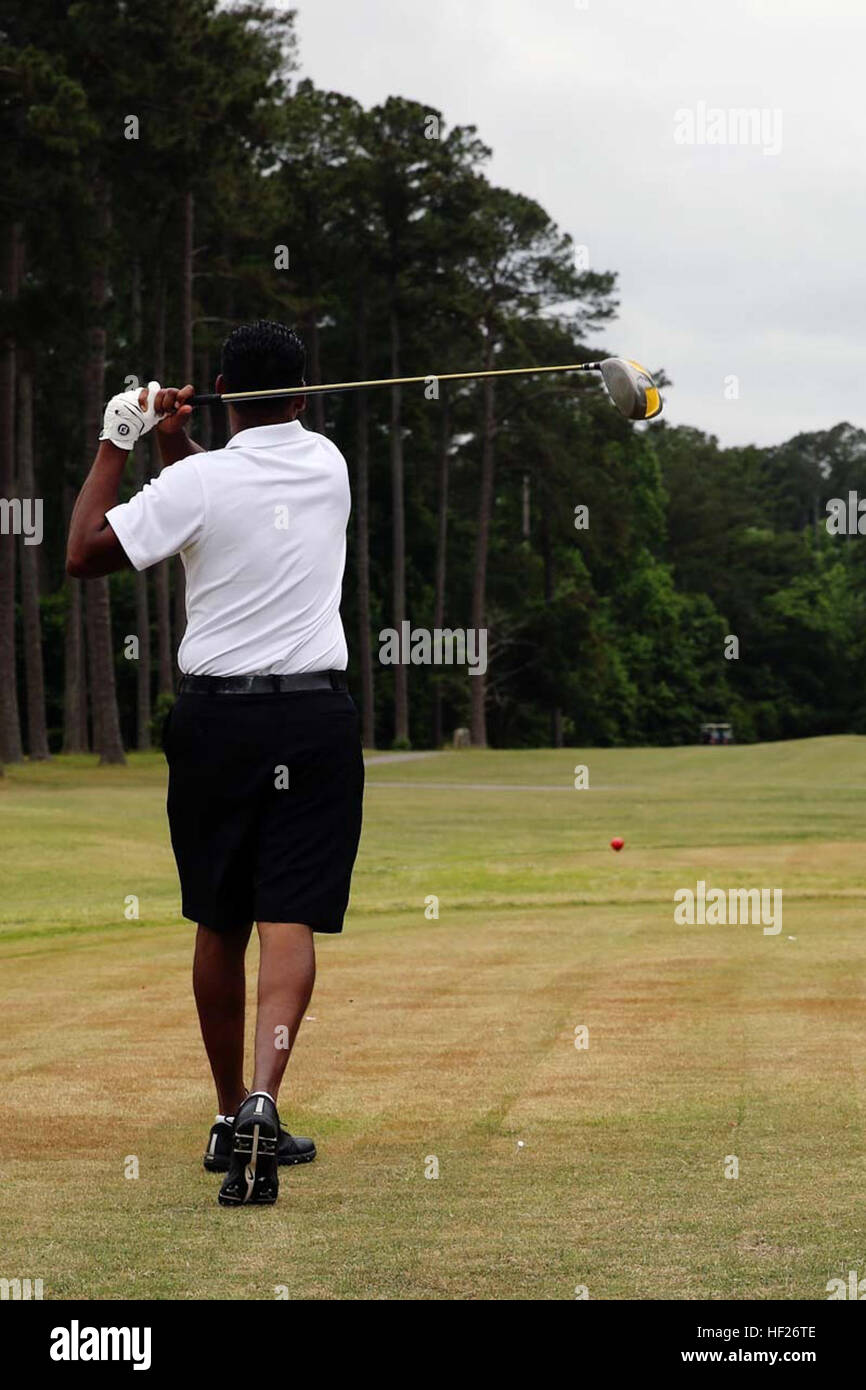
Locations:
{"points": [[229, 1119]]}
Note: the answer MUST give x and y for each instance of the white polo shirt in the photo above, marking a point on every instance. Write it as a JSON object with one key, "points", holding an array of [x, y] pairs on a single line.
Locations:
{"points": [[261, 529]]}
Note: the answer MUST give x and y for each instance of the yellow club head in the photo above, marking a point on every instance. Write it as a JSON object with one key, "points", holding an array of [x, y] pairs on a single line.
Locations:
{"points": [[631, 388]]}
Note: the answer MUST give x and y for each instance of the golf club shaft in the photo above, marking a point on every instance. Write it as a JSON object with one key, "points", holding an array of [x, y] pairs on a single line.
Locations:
{"points": [[277, 392]]}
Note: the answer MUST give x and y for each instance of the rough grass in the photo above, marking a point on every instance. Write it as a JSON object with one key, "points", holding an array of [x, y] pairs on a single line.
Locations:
{"points": [[454, 1039]]}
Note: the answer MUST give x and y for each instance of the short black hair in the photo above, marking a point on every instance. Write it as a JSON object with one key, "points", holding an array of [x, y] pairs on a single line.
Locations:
{"points": [[256, 356]]}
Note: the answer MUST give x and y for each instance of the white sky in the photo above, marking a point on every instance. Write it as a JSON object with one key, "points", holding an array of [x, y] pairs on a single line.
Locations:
{"points": [[730, 261]]}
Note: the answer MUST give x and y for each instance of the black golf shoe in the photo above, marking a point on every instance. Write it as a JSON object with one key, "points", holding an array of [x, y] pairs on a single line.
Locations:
{"points": [[291, 1148], [253, 1178]]}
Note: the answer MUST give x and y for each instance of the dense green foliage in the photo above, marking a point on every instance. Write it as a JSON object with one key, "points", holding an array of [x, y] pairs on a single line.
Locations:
{"points": [[402, 257]]}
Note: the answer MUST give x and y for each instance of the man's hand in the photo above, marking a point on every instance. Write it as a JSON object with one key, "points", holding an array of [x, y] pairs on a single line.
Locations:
{"points": [[172, 409], [129, 415], [93, 548], [174, 442]]}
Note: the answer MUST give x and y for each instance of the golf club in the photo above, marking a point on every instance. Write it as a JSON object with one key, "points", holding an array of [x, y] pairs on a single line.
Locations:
{"points": [[629, 385]]}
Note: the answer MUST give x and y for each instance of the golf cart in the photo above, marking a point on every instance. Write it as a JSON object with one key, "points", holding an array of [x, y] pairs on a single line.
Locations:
{"points": [[717, 733]]}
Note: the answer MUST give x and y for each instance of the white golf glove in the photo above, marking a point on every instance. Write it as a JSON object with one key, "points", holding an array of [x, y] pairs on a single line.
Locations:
{"points": [[125, 422]]}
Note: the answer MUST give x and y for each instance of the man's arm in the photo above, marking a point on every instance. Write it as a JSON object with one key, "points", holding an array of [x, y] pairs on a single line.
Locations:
{"points": [[174, 442], [92, 548]]}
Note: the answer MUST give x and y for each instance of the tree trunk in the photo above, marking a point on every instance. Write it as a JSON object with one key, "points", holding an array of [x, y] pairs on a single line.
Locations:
{"points": [[142, 628], [107, 741], [165, 665], [179, 577], [549, 588], [162, 571], [186, 367], [362, 515], [478, 684], [142, 605], [37, 731], [315, 365], [205, 433], [103, 694], [441, 552], [398, 528], [187, 370], [11, 750], [75, 684]]}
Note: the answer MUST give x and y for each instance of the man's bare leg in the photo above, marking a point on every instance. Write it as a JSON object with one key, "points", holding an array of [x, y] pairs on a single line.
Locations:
{"points": [[287, 973], [219, 983]]}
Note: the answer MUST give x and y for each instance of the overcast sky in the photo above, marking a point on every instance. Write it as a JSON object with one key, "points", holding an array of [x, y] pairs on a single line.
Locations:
{"points": [[733, 262]]}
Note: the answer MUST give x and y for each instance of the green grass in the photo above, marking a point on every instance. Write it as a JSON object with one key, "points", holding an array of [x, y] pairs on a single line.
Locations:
{"points": [[455, 1039]]}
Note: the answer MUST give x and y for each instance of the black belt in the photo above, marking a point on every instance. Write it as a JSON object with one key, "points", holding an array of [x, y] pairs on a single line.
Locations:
{"points": [[262, 685]]}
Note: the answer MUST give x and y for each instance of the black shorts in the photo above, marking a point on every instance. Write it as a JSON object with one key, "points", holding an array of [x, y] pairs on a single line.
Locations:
{"points": [[264, 805]]}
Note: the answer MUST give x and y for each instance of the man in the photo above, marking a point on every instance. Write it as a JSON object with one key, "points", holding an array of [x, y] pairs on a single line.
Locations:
{"points": [[263, 744]]}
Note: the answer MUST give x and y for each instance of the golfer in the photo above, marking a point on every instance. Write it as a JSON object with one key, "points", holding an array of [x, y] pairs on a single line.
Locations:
{"points": [[263, 745]]}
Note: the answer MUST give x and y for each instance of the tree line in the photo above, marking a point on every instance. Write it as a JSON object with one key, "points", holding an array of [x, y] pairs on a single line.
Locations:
{"points": [[166, 175]]}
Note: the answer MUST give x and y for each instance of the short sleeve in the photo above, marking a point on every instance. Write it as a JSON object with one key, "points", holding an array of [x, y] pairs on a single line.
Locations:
{"points": [[164, 518]]}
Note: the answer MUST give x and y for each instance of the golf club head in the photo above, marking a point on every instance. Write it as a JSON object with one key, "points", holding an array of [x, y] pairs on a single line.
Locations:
{"points": [[631, 388]]}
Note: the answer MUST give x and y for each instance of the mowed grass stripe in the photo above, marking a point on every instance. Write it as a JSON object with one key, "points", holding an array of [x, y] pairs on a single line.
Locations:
{"points": [[454, 1039]]}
